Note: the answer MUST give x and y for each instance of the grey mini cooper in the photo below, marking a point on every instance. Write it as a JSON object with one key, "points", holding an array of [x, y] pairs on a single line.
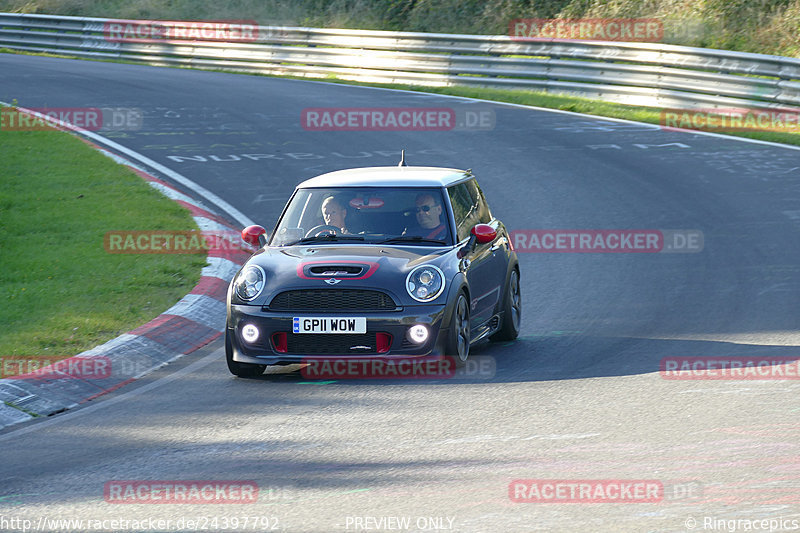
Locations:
{"points": [[374, 262]]}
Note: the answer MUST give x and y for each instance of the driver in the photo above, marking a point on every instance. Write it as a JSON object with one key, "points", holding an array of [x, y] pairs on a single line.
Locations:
{"points": [[429, 217], [334, 213]]}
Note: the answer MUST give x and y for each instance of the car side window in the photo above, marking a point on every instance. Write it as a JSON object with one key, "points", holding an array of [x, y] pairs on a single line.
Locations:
{"points": [[463, 209], [482, 213]]}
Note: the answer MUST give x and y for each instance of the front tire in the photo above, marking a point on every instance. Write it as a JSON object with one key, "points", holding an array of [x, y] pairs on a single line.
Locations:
{"points": [[512, 310], [459, 337], [242, 370]]}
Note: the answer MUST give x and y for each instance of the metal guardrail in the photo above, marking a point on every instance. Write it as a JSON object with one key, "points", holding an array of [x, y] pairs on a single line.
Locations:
{"points": [[647, 74]]}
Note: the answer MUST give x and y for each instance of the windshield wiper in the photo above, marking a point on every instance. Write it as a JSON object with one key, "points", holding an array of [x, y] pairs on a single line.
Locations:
{"points": [[327, 237], [411, 238]]}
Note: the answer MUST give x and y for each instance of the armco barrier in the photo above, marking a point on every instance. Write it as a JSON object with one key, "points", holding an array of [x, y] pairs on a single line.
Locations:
{"points": [[648, 74]]}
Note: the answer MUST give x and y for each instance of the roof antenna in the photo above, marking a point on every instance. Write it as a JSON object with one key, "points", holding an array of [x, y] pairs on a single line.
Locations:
{"points": [[402, 162]]}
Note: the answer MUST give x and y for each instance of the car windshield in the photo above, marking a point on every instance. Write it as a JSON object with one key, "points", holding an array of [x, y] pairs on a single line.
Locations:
{"points": [[403, 215]]}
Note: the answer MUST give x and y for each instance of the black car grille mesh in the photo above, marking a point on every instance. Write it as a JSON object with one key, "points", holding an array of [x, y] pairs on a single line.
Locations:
{"points": [[332, 299], [332, 344]]}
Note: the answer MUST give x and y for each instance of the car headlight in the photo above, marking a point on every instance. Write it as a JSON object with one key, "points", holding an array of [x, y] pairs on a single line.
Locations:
{"points": [[250, 282], [425, 283]]}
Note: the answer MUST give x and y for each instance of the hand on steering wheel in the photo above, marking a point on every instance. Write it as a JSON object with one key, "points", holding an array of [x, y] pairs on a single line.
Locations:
{"points": [[323, 228]]}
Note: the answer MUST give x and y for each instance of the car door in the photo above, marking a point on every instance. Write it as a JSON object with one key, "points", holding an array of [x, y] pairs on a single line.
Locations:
{"points": [[486, 272]]}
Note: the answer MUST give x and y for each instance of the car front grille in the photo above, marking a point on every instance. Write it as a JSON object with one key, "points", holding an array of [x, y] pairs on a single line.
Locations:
{"points": [[332, 300], [332, 344]]}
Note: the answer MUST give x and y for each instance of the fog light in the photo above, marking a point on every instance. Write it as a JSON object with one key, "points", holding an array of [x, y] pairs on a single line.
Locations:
{"points": [[250, 333], [418, 334]]}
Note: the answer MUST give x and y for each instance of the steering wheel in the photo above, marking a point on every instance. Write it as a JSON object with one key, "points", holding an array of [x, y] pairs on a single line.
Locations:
{"points": [[322, 228]]}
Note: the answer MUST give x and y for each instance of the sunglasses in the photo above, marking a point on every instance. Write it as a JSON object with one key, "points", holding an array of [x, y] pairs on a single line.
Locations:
{"points": [[425, 208]]}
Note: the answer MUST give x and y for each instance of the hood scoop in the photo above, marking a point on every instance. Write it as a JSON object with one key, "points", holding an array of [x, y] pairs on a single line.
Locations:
{"points": [[333, 270]]}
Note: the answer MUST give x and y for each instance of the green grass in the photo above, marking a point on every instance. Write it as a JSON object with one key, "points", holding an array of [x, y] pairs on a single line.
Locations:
{"points": [[60, 292], [18, 408]]}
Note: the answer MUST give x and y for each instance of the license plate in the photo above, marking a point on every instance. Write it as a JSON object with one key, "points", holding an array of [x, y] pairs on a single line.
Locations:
{"points": [[327, 324]]}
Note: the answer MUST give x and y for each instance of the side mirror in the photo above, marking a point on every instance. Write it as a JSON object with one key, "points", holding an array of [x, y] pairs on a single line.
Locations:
{"points": [[480, 234], [255, 236], [484, 233]]}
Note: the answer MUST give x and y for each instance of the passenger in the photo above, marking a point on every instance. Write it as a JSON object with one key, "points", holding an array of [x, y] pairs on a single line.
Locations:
{"points": [[429, 218], [334, 213]]}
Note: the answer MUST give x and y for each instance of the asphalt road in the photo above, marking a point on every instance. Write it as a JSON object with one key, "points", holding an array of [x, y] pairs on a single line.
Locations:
{"points": [[578, 397]]}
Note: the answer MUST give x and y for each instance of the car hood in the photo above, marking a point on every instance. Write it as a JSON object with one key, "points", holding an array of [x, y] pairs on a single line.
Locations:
{"points": [[317, 267]]}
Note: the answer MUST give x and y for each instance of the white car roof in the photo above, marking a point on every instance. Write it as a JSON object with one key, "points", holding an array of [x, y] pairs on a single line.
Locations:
{"points": [[388, 177]]}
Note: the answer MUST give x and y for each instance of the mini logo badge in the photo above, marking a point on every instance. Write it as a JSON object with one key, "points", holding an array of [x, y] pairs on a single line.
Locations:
{"points": [[332, 281]]}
